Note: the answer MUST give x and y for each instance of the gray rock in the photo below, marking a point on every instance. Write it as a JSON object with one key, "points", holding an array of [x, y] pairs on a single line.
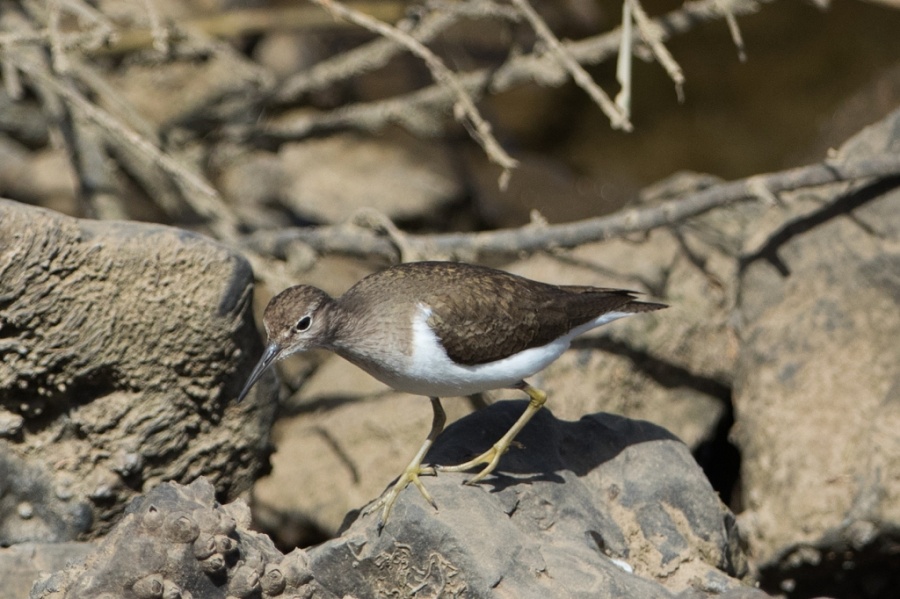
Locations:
{"points": [[602, 507], [177, 541], [122, 346], [332, 178], [818, 388]]}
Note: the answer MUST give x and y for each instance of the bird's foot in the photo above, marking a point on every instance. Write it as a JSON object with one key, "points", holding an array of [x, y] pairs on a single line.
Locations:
{"points": [[386, 501], [491, 457]]}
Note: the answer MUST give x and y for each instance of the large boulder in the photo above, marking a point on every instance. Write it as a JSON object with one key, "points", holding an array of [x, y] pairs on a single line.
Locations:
{"points": [[818, 389], [602, 507], [122, 346]]}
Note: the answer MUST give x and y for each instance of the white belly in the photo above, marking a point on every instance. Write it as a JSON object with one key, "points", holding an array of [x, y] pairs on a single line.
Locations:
{"points": [[431, 372]]}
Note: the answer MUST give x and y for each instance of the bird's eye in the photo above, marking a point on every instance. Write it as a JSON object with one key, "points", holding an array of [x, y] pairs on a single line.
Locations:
{"points": [[303, 323]]}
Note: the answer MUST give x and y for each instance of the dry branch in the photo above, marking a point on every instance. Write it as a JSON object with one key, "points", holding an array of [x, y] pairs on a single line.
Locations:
{"points": [[355, 241], [652, 37], [367, 57], [463, 105], [734, 29], [102, 38], [617, 118], [416, 110], [197, 191]]}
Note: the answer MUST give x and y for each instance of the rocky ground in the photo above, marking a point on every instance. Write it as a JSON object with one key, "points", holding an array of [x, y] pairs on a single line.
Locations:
{"points": [[742, 443]]}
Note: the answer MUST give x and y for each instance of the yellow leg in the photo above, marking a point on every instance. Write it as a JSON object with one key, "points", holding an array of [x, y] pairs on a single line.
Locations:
{"points": [[491, 457], [414, 469]]}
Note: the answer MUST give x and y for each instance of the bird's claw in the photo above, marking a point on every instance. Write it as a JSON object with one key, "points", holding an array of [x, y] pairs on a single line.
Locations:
{"points": [[387, 500], [491, 457]]}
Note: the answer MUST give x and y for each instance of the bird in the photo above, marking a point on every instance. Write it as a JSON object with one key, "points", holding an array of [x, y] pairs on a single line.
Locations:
{"points": [[443, 329]]}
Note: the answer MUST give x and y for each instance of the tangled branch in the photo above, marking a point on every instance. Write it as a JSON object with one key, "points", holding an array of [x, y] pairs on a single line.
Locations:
{"points": [[356, 241]]}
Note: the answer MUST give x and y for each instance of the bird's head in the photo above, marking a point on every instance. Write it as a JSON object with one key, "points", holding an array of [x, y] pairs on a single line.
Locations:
{"points": [[294, 322]]}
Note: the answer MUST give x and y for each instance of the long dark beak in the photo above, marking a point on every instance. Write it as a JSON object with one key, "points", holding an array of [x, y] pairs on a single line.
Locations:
{"points": [[268, 357]]}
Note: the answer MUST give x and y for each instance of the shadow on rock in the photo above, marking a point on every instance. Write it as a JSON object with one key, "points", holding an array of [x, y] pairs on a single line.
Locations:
{"points": [[602, 507]]}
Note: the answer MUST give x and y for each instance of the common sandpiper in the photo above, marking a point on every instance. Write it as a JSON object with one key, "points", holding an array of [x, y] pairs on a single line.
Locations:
{"points": [[442, 329]]}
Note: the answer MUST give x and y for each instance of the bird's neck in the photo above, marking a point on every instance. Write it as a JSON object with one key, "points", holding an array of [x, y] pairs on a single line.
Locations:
{"points": [[369, 333]]}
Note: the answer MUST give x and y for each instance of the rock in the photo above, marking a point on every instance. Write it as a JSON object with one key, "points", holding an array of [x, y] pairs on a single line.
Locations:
{"points": [[287, 53], [122, 347], [601, 507], [177, 541], [45, 176], [189, 92], [22, 119], [403, 179], [254, 184], [818, 391]]}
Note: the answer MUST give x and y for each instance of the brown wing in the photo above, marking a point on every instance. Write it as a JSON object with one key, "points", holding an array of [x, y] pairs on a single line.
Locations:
{"points": [[487, 314]]}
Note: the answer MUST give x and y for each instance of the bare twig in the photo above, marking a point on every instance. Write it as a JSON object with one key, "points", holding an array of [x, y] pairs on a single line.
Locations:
{"points": [[463, 106], [378, 221], [86, 12], [623, 64], [653, 37], [366, 58], [202, 197], [60, 64], [377, 53], [147, 173], [158, 32], [354, 241], [734, 29], [413, 110], [12, 83], [78, 137], [110, 98], [581, 77], [103, 38]]}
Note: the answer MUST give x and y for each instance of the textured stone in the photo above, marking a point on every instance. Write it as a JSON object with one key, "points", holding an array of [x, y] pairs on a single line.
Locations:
{"points": [[122, 346], [142, 558], [818, 391], [602, 507]]}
